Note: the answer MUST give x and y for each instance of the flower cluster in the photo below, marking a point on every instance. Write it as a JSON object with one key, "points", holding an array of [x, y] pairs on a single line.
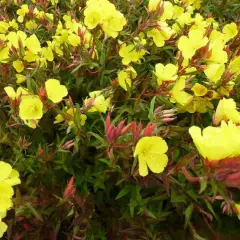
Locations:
{"points": [[8, 178], [120, 83]]}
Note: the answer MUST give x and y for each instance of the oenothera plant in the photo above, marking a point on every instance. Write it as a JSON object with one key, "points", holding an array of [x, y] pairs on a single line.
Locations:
{"points": [[102, 109]]}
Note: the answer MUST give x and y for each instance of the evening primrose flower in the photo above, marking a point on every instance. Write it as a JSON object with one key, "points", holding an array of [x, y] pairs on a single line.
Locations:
{"points": [[113, 24], [33, 44], [31, 25], [234, 65], [15, 37], [18, 65], [14, 95], [198, 104], [125, 77], [179, 95], [3, 228], [93, 17], [22, 12], [130, 53], [69, 117], [55, 91], [20, 78], [226, 110], [161, 34], [100, 104], [214, 71], [189, 45], [217, 143], [3, 27], [230, 31], [199, 90], [8, 178], [97, 102], [151, 154], [31, 107], [166, 73]]}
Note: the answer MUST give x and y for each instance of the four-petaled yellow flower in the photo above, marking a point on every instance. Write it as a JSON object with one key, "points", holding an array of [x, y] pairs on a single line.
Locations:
{"points": [[8, 178], [226, 110], [55, 91], [166, 73], [125, 77], [31, 107], [189, 45], [151, 153], [179, 95], [199, 90], [217, 143]]}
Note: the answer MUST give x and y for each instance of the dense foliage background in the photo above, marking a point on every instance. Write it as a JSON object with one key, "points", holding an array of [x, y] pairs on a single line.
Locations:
{"points": [[74, 147]]}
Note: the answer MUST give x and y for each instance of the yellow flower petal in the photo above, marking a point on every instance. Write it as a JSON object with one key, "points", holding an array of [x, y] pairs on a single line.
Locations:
{"points": [[55, 91], [31, 107], [151, 153], [33, 44], [18, 65]]}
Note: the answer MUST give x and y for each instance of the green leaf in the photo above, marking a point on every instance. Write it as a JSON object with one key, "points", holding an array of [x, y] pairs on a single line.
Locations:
{"points": [[124, 191], [210, 208], [188, 214], [97, 137], [203, 183], [150, 114]]}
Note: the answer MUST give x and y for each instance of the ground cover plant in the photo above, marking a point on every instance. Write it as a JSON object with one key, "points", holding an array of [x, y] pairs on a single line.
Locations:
{"points": [[119, 119]]}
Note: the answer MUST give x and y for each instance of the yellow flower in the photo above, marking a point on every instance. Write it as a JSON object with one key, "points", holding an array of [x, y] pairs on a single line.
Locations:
{"points": [[199, 90], [198, 104], [129, 53], [18, 65], [125, 77], [15, 37], [8, 178], [113, 24], [151, 153], [234, 65], [31, 123], [14, 95], [153, 4], [22, 12], [20, 78], [3, 27], [230, 31], [189, 45], [31, 25], [237, 206], [30, 56], [166, 73], [214, 71], [226, 110], [33, 44], [99, 103], [55, 91], [4, 55], [179, 95], [217, 143], [3, 228], [93, 17], [160, 35], [31, 107], [74, 40]]}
